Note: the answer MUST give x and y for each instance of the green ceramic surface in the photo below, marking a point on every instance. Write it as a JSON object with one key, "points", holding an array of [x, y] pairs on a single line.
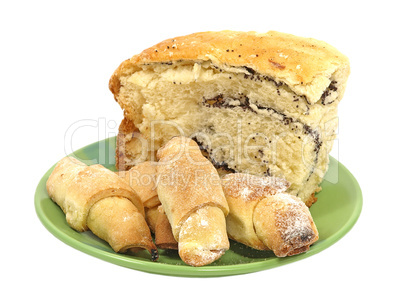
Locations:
{"points": [[336, 211]]}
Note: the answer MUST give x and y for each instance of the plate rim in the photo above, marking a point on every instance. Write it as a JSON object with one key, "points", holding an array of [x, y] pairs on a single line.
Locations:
{"points": [[189, 271]]}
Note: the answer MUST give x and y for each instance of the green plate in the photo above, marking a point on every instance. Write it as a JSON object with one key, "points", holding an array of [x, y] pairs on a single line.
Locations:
{"points": [[336, 211]]}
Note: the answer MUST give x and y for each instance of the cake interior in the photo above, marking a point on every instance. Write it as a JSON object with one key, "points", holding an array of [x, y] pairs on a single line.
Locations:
{"points": [[243, 121]]}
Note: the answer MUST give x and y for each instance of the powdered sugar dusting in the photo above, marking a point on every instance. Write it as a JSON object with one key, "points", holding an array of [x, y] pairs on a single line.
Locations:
{"points": [[203, 223], [246, 192], [186, 181], [293, 221], [203, 237], [250, 187]]}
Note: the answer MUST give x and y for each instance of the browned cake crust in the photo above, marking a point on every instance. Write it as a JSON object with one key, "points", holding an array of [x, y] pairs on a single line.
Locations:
{"points": [[277, 55], [126, 129]]}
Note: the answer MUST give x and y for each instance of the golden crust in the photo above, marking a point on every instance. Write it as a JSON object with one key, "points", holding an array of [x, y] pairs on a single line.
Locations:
{"points": [[126, 128], [203, 237], [243, 192], [95, 198], [142, 179], [164, 238], [187, 181], [93, 184], [76, 187], [130, 148], [309, 202], [284, 223], [192, 197], [250, 187], [301, 63], [118, 221], [151, 216], [62, 175], [263, 217]]}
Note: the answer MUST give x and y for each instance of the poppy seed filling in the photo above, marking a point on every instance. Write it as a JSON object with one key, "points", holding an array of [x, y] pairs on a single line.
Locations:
{"points": [[243, 102]]}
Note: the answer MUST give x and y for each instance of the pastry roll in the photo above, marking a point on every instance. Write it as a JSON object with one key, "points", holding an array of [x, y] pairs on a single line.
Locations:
{"points": [[258, 103], [93, 197], [142, 178], [191, 195], [264, 217], [284, 224], [164, 238]]}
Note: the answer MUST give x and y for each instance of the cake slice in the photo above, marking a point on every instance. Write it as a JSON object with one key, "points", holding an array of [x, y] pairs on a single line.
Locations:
{"points": [[258, 103]]}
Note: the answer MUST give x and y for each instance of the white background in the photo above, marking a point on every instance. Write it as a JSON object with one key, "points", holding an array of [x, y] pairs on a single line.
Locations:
{"points": [[56, 60]]}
